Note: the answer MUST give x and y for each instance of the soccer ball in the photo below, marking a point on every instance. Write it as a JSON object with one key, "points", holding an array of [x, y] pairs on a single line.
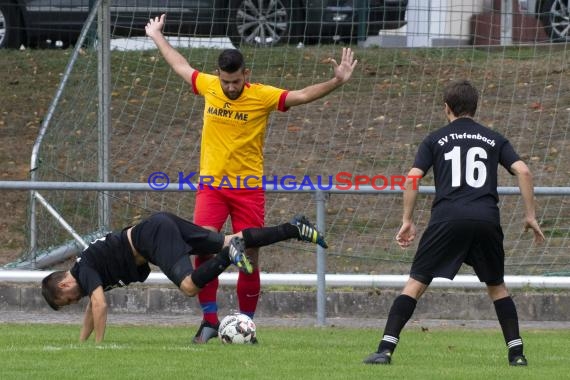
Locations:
{"points": [[236, 329]]}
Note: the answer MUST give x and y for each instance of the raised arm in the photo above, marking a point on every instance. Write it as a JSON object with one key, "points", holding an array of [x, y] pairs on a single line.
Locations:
{"points": [[178, 63], [524, 177], [342, 73], [95, 318]]}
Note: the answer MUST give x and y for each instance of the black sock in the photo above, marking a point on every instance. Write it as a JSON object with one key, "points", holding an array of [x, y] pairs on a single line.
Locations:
{"points": [[509, 321], [260, 237], [400, 313], [211, 269]]}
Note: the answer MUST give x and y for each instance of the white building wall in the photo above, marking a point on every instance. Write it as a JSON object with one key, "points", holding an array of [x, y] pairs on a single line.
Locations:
{"points": [[440, 22], [433, 23]]}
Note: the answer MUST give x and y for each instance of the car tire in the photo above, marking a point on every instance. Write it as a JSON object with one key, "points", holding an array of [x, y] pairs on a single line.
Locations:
{"points": [[265, 23], [555, 16], [13, 31], [10, 26]]}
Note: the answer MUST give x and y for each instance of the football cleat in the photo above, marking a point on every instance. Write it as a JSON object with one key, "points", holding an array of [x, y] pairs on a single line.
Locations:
{"points": [[238, 256], [519, 361], [384, 357], [307, 231], [206, 332]]}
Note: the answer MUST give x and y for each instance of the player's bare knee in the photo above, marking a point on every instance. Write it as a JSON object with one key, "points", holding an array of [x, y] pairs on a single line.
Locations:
{"points": [[415, 288], [497, 292], [228, 238], [188, 287]]}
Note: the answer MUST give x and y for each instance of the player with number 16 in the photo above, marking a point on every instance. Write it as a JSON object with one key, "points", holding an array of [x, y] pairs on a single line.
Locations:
{"points": [[464, 226]]}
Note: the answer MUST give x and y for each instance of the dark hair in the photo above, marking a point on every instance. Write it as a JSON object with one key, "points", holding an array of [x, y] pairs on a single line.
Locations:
{"points": [[461, 97], [50, 288], [231, 60]]}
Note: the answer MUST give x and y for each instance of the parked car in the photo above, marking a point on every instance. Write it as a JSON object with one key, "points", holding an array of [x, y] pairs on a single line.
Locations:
{"points": [[554, 14], [253, 22]]}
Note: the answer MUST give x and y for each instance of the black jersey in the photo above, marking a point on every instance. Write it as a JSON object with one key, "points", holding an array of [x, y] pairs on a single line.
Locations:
{"points": [[465, 156], [108, 262], [167, 240]]}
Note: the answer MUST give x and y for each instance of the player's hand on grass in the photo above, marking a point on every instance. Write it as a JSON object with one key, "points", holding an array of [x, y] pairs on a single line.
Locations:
{"points": [[406, 235], [155, 26], [531, 223]]}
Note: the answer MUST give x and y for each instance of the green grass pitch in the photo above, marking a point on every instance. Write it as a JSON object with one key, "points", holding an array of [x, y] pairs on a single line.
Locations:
{"points": [[37, 351]]}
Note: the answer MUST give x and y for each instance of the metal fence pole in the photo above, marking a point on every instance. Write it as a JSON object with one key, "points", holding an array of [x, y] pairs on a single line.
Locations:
{"points": [[321, 261], [507, 23], [363, 10], [104, 116]]}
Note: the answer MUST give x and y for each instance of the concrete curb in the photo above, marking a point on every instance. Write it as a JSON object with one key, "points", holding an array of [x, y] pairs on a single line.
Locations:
{"points": [[436, 304]]}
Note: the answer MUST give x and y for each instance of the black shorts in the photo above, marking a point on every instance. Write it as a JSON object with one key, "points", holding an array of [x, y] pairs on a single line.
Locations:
{"points": [[445, 246], [167, 241]]}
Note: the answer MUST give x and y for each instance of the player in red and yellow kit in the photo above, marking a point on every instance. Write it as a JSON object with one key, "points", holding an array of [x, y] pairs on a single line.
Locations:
{"points": [[235, 121]]}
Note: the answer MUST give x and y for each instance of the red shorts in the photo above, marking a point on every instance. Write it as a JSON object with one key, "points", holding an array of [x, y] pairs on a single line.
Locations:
{"points": [[245, 207]]}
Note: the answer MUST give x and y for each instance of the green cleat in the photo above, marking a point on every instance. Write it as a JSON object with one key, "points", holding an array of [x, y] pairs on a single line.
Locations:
{"points": [[307, 231], [238, 256]]}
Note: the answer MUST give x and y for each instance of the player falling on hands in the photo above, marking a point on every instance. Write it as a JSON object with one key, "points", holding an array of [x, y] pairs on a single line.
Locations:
{"points": [[166, 241]]}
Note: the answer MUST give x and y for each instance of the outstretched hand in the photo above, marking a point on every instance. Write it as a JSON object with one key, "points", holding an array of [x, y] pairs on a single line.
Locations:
{"points": [[155, 26], [406, 235], [343, 72]]}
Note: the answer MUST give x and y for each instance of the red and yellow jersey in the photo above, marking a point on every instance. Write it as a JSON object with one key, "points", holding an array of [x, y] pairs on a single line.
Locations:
{"points": [[234, 130]]}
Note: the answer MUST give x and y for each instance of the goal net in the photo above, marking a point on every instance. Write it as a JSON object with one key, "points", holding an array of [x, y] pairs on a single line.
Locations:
{"points": [[371, 126]]}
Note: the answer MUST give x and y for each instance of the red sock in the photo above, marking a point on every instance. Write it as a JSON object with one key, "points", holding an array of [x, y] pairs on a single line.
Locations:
{"points": [[248, 290], [207, 296]]}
